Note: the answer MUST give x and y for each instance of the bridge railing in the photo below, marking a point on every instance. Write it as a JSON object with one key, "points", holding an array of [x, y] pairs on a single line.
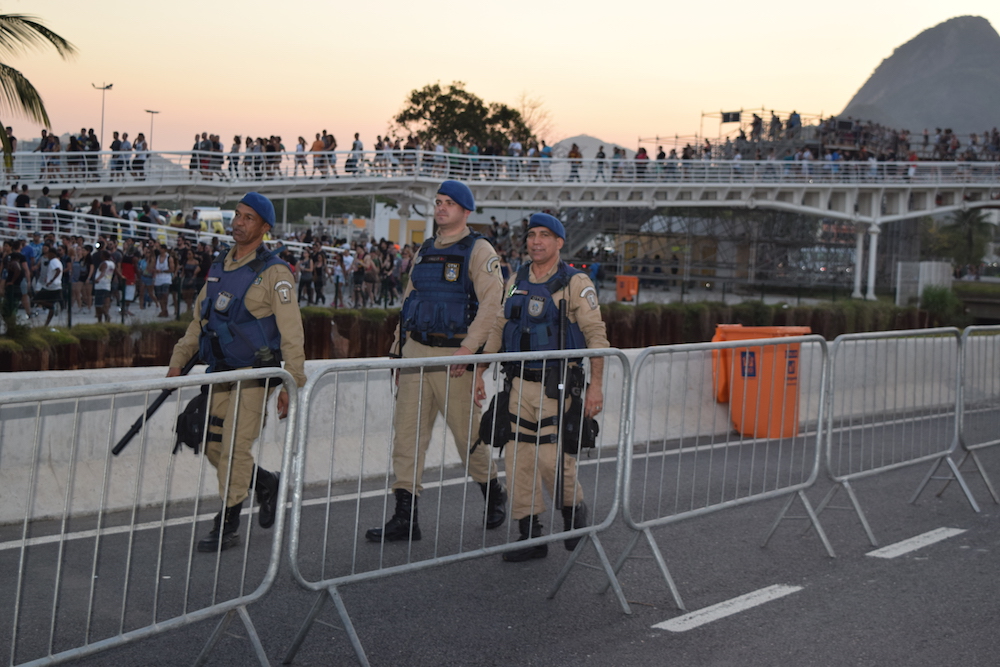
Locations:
{"points": [[69, 169], [20, 222]]}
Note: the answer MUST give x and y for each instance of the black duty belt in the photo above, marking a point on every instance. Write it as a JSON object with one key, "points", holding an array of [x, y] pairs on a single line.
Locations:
{"points": [[516, 369], [436, 341]]}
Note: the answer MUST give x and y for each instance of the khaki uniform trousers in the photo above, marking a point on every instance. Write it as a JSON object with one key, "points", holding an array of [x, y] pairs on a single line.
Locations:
{"points": [[418, 401], [529, 466], [246, 426]]}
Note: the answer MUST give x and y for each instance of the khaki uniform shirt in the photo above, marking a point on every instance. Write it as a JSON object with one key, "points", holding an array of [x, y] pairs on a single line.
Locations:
{"points": [[581, 307], [272, 294], [487, 280]]}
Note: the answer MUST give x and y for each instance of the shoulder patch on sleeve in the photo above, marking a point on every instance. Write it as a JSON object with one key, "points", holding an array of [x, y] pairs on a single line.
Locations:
{"points": [[493, 264], [590, 294], [284, 290]]}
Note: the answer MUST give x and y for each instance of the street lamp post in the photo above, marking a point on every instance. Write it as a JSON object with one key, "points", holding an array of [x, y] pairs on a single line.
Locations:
{"points": [[152, 114], [104, 89]]}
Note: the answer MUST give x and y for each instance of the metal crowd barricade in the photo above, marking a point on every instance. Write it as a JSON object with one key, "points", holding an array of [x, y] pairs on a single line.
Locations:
{"points": [[893, 404], [99, 550], [979, 398], [343, 478], [688, 460]]}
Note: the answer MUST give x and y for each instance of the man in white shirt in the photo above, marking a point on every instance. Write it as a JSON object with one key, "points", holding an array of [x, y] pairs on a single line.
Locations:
{"points": [[51, 292]]}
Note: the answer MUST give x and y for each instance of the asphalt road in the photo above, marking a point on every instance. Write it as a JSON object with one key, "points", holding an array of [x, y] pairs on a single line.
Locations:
{"points": [[936, 605]]}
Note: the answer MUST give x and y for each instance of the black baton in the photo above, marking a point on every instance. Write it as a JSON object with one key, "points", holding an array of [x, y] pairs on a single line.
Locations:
{"points": [[153, 407], [563, 372]]}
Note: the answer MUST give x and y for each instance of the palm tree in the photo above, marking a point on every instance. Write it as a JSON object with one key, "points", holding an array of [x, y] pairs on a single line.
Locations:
{"points": [[19, 33]]}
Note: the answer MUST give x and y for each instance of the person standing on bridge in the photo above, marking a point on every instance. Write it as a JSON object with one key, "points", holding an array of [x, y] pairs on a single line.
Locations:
{"points": [[449, 306], [530, 322], [246, 317]]}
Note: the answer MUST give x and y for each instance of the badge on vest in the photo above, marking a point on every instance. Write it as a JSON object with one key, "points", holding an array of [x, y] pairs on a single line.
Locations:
{"points": [[451, 271], [223, 301], [536, 306]]}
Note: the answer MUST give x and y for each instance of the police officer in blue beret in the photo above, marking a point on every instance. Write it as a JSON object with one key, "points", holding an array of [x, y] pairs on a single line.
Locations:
{"points": [[247, 316], [530, 322], [449, 307]]}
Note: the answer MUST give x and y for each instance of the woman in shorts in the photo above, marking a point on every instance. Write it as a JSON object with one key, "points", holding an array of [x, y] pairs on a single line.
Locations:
{"points": [[104, 271], [163, 277]]}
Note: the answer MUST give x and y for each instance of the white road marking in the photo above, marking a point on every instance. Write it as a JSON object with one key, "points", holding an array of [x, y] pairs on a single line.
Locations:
{"points": [[727, 608], [914, 543]]}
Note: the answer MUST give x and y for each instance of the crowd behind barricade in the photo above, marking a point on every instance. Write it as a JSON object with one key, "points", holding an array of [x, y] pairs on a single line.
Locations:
{"points": [[51, 271], [111, 261]]}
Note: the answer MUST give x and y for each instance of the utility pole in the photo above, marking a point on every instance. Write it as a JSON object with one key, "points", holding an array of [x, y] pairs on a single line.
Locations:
{"points": [[104, 89]]}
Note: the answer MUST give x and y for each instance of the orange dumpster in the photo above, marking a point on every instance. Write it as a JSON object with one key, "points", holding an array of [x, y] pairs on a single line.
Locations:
{"points": [[627, 288], [760, 383]]}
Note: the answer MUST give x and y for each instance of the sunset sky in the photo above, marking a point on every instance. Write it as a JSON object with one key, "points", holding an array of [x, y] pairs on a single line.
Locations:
{"points": [[618, 71]]}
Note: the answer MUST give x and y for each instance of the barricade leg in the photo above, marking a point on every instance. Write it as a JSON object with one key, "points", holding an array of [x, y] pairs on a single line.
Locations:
{"points": [[345, 619], [825, 503], [810, 514], [971, 454], [955, 474], [660, 561], [241, 611], [605, 563]]}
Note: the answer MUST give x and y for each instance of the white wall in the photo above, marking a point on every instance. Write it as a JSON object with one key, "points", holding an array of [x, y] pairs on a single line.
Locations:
{"points": [[350, 424]]}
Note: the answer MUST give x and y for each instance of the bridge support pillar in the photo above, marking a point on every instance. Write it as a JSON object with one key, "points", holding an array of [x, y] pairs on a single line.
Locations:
{"points": [[859, 264], [873, 232], [429, 228]]}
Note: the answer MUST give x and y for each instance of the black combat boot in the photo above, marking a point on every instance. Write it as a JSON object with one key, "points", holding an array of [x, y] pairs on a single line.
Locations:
{"points": [[402, 525], [574, 517], [496, 503], [530, 526], [266, 488], [229, 536]]}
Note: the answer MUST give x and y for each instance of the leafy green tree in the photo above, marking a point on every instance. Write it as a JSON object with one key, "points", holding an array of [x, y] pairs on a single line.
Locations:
{"points": [[19, 33], [453, 116], [962, 238]]}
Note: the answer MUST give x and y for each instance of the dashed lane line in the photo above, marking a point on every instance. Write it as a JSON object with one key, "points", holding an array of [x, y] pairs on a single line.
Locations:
{"points": [[727, 608], [914, 543]]}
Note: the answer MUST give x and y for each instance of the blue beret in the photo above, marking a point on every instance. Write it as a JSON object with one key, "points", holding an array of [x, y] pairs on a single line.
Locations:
{"points": [[460, 194], [550, 222], [261, 204]]}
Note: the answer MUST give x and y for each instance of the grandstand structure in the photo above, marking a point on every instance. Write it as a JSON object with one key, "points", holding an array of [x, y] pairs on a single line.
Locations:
{"points": [[859, 197]]}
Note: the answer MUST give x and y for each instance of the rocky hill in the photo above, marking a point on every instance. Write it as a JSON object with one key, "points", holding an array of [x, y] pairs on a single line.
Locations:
{"points": [[947, 76]]}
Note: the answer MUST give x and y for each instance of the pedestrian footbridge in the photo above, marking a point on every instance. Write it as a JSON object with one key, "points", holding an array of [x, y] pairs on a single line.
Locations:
{"points": [[867, 194]]}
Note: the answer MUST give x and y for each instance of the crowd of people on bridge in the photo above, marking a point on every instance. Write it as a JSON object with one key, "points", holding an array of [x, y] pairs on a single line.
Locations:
{"points": [[852, 139], [263, 158]]}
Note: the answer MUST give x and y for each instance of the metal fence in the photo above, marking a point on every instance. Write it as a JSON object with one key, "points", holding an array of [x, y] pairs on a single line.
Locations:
{"points": [[24, 221], [343, 476], [721, 425], [98, 550], [979, 400], [893, 404]]}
